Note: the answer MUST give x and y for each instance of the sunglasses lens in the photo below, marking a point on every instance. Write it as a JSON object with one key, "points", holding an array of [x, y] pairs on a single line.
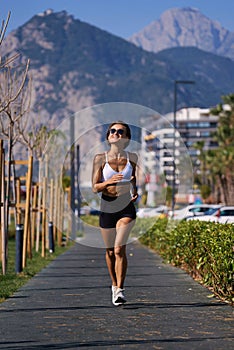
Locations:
{"points": [[119, 131]]}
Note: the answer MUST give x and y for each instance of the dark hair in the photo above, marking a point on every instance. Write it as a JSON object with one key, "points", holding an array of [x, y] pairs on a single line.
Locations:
{"points": [[128, 131]]}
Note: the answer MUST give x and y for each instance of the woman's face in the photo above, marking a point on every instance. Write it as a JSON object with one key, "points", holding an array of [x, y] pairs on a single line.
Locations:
{"points": [[117, 133]]}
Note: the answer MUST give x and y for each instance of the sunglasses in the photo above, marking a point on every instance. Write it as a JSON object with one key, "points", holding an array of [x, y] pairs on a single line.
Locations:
{"points": [[118, 131]]}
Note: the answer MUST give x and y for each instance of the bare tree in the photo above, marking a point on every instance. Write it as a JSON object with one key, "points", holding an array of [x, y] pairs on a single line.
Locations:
{"points": [[14, 106], [4, 27]]}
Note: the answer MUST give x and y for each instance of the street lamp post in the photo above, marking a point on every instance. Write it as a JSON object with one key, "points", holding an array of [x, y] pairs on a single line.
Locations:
{"points": [[176, 82]]}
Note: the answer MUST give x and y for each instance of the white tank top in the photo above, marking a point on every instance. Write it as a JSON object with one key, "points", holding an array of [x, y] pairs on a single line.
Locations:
{"points": [[108, 172]]}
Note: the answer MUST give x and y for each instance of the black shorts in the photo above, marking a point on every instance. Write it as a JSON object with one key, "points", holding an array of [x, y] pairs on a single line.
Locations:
{"points": [[115, 208]]}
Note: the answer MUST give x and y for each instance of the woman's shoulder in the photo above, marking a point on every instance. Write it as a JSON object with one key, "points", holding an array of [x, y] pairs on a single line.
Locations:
{"points": [[100, 157], [133, 157]]}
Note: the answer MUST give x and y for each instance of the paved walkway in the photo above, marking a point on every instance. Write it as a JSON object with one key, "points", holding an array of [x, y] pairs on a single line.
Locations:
{"points": [[68, 306]]}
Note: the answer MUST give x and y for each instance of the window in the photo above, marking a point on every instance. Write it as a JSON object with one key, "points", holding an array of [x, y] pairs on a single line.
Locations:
{"points": [[227, 212], [198, 125]]}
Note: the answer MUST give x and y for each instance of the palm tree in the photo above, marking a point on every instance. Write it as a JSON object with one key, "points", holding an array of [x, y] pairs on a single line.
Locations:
{"points": [[221, 161]]}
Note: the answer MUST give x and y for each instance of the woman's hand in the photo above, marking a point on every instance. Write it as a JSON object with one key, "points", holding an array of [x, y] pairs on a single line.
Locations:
{"points": [[115, 179], [134, 197], [134, 189]]}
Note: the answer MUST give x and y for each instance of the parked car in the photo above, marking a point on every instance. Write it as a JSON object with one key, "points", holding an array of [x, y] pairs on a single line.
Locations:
{"points": [[223, 215], [151, 212], [192, 211], [85, 210]]}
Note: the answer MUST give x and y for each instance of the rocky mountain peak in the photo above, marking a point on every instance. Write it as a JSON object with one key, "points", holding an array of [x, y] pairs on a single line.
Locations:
{"points": [[75, 65], [183, 28]]}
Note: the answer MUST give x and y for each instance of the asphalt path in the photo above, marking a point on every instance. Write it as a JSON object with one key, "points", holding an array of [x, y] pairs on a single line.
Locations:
{"points": [[68, 306]]}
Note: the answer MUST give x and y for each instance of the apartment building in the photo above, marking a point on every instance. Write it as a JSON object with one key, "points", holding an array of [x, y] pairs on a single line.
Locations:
{"points": [[162, 144]]}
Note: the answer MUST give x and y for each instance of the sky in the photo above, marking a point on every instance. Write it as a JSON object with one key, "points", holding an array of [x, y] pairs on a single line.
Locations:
{"points": [[119, 17]]}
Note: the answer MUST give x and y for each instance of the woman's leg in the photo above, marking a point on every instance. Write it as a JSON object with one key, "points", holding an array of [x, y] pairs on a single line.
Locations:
{"points": [[109, 240], [121, 264], [115, 241], [110, 262], [123, 229]]}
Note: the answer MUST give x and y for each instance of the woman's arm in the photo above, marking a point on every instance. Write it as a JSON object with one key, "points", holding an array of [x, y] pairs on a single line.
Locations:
{"points": [[134, 160]]}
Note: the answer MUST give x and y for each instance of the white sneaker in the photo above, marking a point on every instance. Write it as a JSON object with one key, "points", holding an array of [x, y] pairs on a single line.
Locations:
{"points": [[119, 297], [113, 289]]}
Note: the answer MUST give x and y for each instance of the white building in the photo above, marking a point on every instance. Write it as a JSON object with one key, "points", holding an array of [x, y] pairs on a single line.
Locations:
{"points": [[162, 145]]}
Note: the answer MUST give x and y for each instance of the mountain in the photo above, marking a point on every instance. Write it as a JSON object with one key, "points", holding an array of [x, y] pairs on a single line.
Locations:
{"points": [[182, 28], [76, 65]]}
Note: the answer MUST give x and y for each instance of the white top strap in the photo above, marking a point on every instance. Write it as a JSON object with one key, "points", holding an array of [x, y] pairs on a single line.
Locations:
{"points": [[106, 157]]}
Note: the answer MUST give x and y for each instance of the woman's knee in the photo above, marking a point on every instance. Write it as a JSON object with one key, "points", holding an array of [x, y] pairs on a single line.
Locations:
{"points": [[119, 251], [110, 252]]}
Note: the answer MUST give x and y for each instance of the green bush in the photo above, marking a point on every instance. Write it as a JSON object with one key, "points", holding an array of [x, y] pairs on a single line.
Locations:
{"points": [[92, 220], [203, 249]]}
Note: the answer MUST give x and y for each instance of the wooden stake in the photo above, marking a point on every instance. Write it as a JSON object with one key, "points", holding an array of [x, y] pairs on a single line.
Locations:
{"points": [[39, 209], [34, 212], [27, 209], [3, 210], [43, 232], [18, 206]]}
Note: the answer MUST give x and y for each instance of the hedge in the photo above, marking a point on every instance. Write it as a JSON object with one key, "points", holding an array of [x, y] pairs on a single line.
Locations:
{"points": [[204, 249]]}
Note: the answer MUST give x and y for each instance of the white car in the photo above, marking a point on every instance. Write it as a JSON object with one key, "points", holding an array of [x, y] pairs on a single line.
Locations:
{"points": [[223, 215], [150, 212], [191, 211]]}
